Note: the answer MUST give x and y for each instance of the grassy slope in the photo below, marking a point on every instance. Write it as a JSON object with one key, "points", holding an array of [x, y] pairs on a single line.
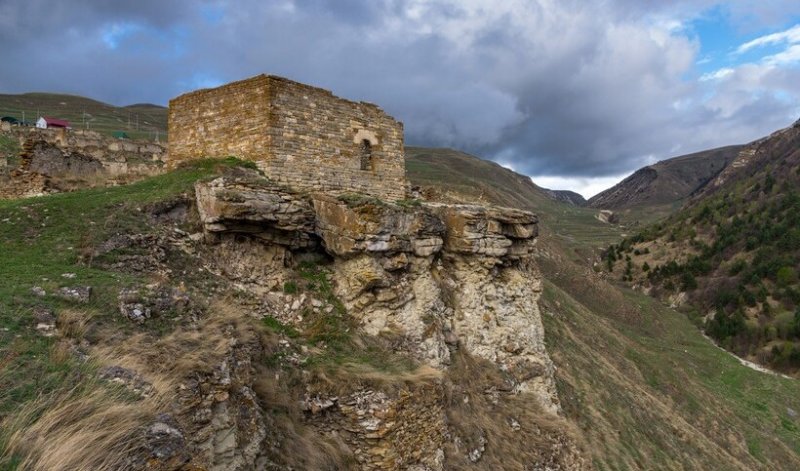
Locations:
{"points": [[43, 238], [101, 117], [637, 199], [647, 390], [736, 251], [473, 179]]}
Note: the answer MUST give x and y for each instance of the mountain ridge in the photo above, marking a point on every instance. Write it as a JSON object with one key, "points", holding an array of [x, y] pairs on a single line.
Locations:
{"points": [[667, 183], [731, 254]]}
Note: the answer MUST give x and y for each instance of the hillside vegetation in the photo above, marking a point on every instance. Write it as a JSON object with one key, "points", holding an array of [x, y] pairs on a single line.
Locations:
{"points": [[139, 121], [657, 190], [733, 254], [65, 401], [645, 388]]}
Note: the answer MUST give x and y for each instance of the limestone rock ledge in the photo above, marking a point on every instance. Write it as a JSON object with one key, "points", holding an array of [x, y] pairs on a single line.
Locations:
{"points": [[442, 277], [246, 203]]}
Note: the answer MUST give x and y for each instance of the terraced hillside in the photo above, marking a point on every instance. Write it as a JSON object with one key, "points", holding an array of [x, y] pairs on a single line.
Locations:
{"points": [[139, 121]]}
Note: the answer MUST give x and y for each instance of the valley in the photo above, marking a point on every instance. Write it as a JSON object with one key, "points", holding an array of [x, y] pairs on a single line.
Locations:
{"points": [[118, 296]]}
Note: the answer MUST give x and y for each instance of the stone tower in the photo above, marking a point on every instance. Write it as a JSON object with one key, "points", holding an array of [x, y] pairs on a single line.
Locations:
{"points": [[299, 135]]}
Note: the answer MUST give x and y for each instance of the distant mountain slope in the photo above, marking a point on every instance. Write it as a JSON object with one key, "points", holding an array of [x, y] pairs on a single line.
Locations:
{"points": [[567, 196], [733, 253], [666, 182], [626, 362], [140, 121], [451, 175], [468, 175]]}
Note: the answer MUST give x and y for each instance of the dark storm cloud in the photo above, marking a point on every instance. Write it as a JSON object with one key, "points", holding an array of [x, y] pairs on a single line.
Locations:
{"points": [[569, 88]]}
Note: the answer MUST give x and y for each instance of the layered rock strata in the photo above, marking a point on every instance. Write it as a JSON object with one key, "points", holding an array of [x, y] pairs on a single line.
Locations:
{"points": [[444, 284], [441, 277]]}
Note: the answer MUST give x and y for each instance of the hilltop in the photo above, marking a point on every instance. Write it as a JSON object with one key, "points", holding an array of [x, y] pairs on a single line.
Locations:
{"points": [[657, 190], [139, 121], [214, 316]]}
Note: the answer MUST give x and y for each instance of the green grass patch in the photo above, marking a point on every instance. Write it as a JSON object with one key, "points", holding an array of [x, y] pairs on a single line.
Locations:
{"points": [[280, 328], [46, 237], [355, 200]]}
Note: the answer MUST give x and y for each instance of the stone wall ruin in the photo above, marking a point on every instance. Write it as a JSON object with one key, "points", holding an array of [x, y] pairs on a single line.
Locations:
{"points": [[298, 135]]}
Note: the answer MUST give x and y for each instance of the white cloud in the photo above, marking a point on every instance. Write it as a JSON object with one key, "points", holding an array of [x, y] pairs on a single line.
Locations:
{"points": [[789, 36], [717, 74], [790, 55]]}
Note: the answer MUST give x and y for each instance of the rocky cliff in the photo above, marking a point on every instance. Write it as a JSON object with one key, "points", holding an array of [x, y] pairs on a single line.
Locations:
{"points": [[445, 285]]}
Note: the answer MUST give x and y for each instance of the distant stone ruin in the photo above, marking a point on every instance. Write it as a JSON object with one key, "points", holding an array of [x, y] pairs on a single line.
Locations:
{"points": [[298, 135], [55, 160]]}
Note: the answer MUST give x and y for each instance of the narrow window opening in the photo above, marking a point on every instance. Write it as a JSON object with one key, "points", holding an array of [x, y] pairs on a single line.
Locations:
{"points": [[366, 155]]}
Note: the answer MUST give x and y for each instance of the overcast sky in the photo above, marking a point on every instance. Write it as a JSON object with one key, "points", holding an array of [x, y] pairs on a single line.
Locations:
{"points": [[575, 93]]}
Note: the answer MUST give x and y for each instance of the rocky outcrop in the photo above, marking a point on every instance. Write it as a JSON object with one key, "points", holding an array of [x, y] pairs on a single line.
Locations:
{"points": [[405, 430], [216, 422], [607, 216], [442, 277], [245, 202], [350, 229], [47, 159]]}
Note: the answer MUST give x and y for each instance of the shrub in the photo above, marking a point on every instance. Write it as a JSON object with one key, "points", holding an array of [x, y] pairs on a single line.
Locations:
{"points": [[723, 326], [786, 276], [688, 282], [737, 267]]}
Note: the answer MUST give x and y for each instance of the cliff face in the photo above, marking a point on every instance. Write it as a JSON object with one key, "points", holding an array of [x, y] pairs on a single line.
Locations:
{"points": [[446, 284]]}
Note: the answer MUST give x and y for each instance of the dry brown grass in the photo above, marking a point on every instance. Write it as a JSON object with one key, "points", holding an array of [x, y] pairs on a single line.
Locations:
{"points": [[88, 428], [474, 414]]}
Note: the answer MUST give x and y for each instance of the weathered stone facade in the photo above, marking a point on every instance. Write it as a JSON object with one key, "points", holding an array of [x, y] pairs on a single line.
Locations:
{"points": [[54, 160], [299, 135]]}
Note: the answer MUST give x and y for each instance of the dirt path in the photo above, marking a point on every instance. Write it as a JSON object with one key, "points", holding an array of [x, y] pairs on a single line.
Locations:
{"points": [[747, 363]]}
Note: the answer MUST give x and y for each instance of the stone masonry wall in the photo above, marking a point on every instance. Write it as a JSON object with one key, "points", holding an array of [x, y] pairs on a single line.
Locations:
{"points": [[317, 143], [220, 122], [54, 160], [302, 136]]}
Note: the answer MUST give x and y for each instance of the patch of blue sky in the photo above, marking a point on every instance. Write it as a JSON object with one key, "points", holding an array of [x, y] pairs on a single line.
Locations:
{"points": [[140, 38], [212, 14], [719, 39], [176, 40], [204, 80], [114, 33]]}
